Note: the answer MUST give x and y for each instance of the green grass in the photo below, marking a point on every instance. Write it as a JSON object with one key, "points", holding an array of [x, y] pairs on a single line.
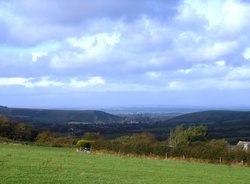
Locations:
{"points": [[31, 164]]}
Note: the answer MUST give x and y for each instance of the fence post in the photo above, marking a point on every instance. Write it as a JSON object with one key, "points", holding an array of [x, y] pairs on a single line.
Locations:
{"points": [[220, 160], [166, 156]]}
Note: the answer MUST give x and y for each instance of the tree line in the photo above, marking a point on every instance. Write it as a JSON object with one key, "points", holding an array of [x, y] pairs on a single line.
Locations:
{"points": [[183, 142]]}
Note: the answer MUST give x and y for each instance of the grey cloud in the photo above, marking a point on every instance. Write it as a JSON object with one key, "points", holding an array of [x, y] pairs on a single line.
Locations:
{"points": [[245, 1], [4, 32], [73, 12], [31, 22]]}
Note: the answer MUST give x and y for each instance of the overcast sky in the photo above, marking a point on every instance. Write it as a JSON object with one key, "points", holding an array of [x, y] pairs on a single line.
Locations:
{"points": [[101, 53]]}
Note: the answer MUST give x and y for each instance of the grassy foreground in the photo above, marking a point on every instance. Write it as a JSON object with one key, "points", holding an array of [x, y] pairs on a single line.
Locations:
{"points": [[31, 164]]}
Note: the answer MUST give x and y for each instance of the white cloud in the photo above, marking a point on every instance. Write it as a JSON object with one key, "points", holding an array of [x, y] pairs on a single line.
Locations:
{"points": [[215, 70], [235, 16], [220, 63], [217, 50], [93, 41], [47, 82], [195, 47], [84, 50], [176, 85], [227, 16], [186, 71], [92, 81], [29, 82], [246, 54], [207, 84], [239, 73], [211, 10], [153, 75], [15, 81], [37, 55]]}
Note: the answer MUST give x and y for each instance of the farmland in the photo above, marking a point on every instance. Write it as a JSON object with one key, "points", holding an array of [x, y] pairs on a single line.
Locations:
{"points": [[32, 164]]}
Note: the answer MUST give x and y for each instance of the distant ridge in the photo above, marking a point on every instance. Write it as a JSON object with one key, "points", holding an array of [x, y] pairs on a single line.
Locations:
{"points": [[213, 116], [58, 116]]}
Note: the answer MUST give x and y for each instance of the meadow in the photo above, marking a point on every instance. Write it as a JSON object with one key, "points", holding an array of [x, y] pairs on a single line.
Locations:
{"points": [[32, 164]]}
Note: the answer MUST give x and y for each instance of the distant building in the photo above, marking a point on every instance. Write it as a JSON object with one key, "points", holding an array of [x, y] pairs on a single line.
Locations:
{"points": [[244, 144]]}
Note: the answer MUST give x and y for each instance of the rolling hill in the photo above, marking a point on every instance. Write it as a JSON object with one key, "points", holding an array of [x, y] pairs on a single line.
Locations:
{"points": [[215, 116], [58, 116]]}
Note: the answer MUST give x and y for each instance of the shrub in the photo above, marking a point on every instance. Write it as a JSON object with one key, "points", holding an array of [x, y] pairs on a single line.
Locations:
{"points": [[63, 141], [83, 143], [45, 138], [4, 140]]}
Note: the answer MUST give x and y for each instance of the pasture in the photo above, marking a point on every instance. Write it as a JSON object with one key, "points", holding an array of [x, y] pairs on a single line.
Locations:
{"points": [[31, 164]]}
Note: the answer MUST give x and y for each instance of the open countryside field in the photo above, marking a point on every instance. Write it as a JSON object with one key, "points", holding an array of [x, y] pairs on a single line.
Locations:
{"points": [[31, 164]]}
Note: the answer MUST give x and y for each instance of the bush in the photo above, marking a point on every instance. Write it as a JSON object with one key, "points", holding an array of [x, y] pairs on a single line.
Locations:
{"points": [[63, 142], [4, 140], [45, 138], [83, 143], [135, 144]]}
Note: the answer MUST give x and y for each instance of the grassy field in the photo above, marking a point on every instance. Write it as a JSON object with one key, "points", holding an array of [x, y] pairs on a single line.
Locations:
{"points": [[31, 164]]}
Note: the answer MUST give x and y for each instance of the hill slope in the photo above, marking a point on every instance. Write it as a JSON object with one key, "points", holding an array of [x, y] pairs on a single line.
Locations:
{"points": [[58, 116], [216, 116], [31, 164]]}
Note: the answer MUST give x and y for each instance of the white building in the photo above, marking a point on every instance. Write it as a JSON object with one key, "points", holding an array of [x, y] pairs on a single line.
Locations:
{"points": [[244, 144]]}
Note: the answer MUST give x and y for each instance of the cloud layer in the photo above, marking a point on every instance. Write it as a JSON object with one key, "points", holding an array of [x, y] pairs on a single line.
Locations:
{"points": [[144, 48]]}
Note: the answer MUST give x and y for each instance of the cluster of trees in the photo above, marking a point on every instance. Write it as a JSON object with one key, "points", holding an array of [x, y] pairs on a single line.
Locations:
{"points": [[183, 142], [11, 130], [16, 131], [146, 143], [181, 136]]}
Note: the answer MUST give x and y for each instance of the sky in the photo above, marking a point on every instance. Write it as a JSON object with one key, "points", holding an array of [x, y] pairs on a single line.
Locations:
{"points": [[110, 53]]}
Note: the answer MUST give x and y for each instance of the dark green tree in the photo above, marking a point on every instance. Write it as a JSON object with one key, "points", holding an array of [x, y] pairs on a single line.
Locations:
{"points": [[182, 136]]}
